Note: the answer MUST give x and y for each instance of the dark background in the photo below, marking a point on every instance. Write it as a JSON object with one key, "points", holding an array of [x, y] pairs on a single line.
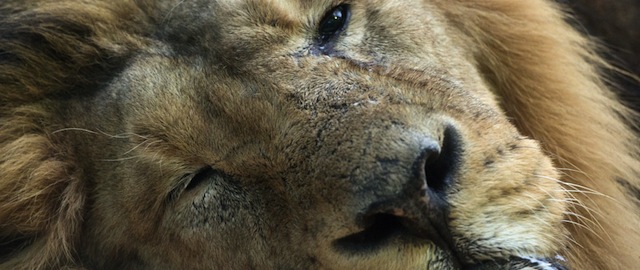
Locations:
{"points": [[617, 24]]}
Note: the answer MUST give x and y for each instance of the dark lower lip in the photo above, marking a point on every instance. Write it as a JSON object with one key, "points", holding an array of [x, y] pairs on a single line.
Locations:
{"points": [[381, 233], [380, 229], [387, 231]]}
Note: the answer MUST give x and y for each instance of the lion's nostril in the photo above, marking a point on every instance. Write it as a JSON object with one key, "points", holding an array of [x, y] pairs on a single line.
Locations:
{"points": [[440, 166]]}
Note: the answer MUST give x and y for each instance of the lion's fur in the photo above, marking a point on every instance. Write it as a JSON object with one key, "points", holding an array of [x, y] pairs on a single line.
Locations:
{"points": [[544, 74], [42, 189], [556, 84]]}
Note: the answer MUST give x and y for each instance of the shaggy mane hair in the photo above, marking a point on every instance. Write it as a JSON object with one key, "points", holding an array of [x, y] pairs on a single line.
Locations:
{"points": [[49, 52], [545, 74]]}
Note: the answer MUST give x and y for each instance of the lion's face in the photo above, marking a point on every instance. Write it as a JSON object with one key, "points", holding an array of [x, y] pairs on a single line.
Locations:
{"points": [[309, 134]]}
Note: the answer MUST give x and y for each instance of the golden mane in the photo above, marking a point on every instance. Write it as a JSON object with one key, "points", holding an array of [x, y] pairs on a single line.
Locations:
{"points": [[546, 75]]}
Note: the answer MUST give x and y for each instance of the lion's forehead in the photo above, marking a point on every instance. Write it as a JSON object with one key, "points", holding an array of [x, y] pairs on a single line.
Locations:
{"points": [[254, 32]]}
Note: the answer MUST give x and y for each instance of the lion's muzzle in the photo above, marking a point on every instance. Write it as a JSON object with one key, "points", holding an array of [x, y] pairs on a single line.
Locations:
{"points": [[417, 207]]}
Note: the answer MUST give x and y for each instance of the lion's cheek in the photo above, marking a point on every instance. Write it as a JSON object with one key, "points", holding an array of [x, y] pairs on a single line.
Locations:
{"points": [[522, 211]]}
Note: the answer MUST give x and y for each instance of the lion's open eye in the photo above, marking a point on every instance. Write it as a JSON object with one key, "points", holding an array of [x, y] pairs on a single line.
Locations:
{"points": [[333, 23]]}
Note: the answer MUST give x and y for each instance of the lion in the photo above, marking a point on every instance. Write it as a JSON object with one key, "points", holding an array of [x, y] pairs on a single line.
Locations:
{"points": [[264, 134]]}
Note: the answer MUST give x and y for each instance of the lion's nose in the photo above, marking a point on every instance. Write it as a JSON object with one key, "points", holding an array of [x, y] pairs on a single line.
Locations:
{"points": [[438, 163], [433, 169], [420, 210]]}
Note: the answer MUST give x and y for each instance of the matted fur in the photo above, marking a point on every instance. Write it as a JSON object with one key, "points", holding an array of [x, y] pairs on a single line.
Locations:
{"points": [[543, 74]]}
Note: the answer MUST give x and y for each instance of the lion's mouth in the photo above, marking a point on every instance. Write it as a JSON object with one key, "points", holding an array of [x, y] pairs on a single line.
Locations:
{"points": [[384, 230]]}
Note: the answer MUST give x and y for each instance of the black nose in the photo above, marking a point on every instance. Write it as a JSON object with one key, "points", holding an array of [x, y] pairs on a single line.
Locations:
{"points": [[438, 163], [420, 210]]}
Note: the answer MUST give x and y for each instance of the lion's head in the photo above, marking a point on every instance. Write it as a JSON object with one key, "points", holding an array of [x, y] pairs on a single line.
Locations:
{"points": [[291, 134]]}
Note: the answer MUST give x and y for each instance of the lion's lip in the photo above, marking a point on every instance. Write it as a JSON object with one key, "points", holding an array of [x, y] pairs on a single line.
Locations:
{"points": [[522, 262], [388, 230], [383, 230], [373, 237]]}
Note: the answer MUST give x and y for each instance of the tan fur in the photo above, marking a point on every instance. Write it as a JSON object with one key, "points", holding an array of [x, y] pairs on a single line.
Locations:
{"points": [[556, 84], [108, 108]]}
